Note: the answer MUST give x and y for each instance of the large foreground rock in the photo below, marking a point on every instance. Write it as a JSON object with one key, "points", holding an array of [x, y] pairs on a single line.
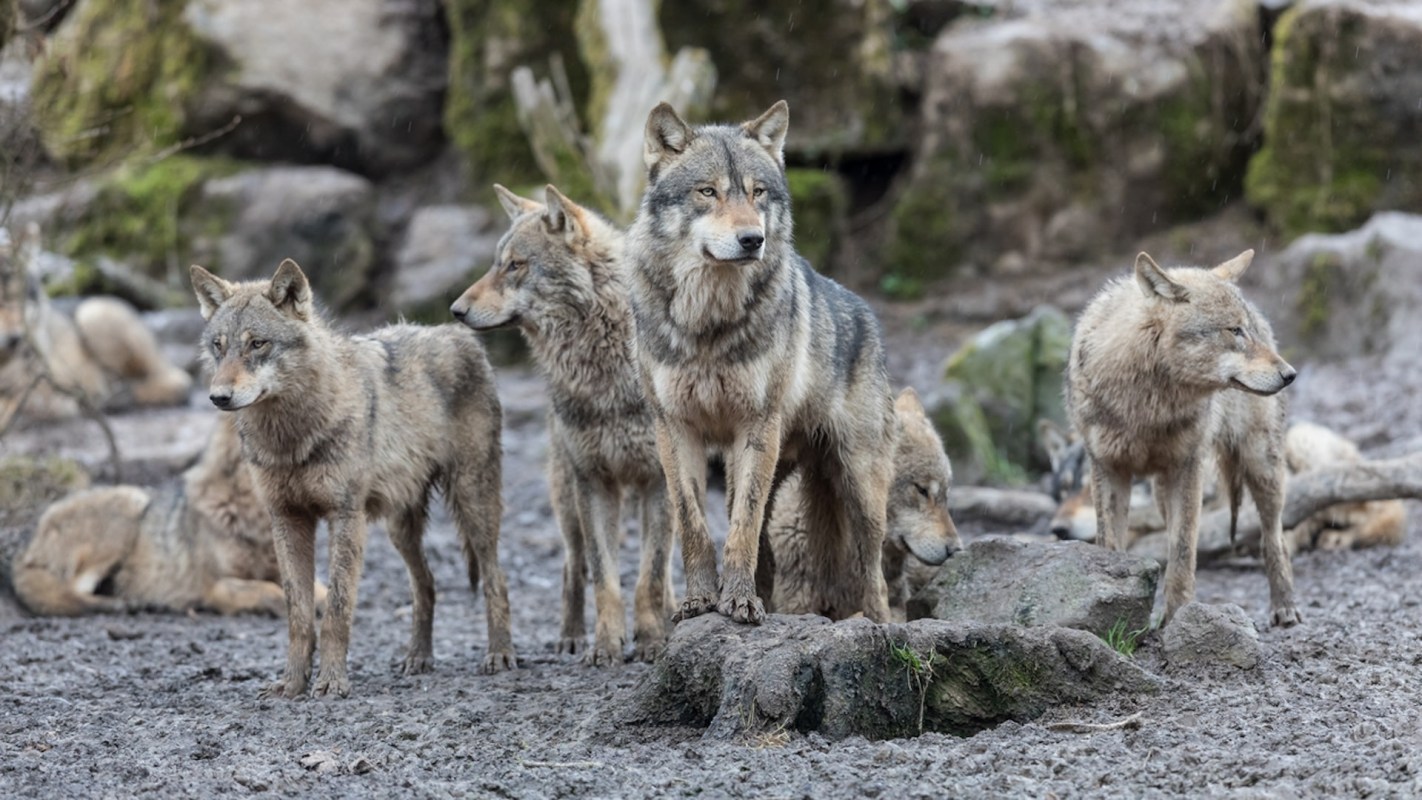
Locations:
{"points": [[1342, 122], [1201, 633], [1061, 130], [1074, 584], [878, 681]]}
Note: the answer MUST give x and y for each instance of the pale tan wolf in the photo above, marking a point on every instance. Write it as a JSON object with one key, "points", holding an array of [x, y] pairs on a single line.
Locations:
{"points": [[351, 428], [1306, 447], [557, 276], [104, 354], [742, 346], [203, 544], [1161, 370], [918, 523]]}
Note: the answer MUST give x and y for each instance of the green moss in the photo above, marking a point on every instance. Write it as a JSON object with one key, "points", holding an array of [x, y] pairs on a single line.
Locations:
{"points": [[28, 484], [927, 232], [7, 20], [820, 201], [117, 80], [488, 39], [1315, 287]]}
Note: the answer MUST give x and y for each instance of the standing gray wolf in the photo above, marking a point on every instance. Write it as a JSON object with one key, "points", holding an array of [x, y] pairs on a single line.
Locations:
{"points": [[350, 428], [104, 354], [557, 276], [1163, 369], [205, 544], [918, 523], [742, 346]]}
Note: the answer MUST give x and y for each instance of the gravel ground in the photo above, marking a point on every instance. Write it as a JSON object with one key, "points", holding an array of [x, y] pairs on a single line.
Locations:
{"points": [[118, 706]]}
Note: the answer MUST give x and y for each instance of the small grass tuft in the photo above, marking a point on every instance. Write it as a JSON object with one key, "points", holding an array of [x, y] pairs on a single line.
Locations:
{"points": [[1122, 640]]}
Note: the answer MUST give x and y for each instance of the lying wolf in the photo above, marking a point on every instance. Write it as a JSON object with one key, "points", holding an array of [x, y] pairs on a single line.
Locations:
{"points": [[918, 523], [204, 544], [1306, 447], [350, 428], [1162, 370], [557, 277], [743, 347], [104, 354]]}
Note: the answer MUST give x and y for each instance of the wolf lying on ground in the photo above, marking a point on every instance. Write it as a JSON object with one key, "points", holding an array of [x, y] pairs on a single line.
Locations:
{"points": [[918, 523], [742, 346], [557, 277], [1162, 369], [1306, 446], [204, 544], [351, 428], [104, 354]]}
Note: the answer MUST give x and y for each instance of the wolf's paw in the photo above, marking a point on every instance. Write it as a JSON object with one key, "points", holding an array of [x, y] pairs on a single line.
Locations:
{"points": [[571, 645], [332, 684], [695, 607], [283, 689], [1285, 617], [648, 650], [416, 663], [742, 607], [604, 654], [498, 662]]}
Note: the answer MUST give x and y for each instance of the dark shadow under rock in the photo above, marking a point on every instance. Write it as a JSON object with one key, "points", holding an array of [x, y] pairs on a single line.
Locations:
{"points": [[857, 677]]}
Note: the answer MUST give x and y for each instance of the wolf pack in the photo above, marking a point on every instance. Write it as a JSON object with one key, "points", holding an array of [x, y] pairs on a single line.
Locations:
{"points": [[696, 334]]}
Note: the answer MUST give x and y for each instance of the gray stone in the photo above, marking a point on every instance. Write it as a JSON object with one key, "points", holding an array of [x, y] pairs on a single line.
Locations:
{"points": [[1201, 633], [856, 677], [445, 248], [1073, 584]]}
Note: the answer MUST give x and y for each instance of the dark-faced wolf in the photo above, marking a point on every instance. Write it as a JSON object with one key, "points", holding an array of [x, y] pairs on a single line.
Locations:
{"points": [[1163, 369], [557, 276], [744, 348], [348, 429]]}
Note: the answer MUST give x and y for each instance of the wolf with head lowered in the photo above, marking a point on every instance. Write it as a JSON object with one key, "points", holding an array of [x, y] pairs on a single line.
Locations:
{"points": [[743, 348]]}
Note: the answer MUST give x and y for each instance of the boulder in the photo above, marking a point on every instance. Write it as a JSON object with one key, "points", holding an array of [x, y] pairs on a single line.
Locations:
{"points": [[832, 62], [1201, 633], [445, 248], [820, 201], [1337, 296], [997, 386], [1342, 119], [354, 83], [858, 678], [1072, 584], [1058, 131]]}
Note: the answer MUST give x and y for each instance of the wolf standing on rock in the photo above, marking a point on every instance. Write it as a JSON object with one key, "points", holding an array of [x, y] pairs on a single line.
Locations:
{"points": [[557, 276], [1158, 372], [347, 428], [742, 346]]}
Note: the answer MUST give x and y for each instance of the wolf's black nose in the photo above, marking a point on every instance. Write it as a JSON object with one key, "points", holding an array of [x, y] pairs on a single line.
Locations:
{"points": [[458, 312], [1288, 375], [1061, 531], [750, 242], [220, 400]]}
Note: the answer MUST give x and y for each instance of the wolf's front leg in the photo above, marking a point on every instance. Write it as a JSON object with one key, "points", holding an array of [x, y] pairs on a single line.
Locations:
{"points": [[1183, 488], [294, 539], [683, 457], [348, 532], [652, 607], [750, 466], [1111, 493], [1266, 486], [599, 507]]}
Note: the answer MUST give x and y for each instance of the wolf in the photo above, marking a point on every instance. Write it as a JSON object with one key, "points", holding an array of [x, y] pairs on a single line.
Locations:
{"points": [[350, 428], [1163, 369], [743, 347], [557, 277], [203, 544], [104, 354], [918, 523]]}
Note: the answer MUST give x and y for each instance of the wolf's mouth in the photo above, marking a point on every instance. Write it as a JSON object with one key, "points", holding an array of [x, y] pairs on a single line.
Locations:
{"points": [[493, 326], [1242, 386], [740, 260]]}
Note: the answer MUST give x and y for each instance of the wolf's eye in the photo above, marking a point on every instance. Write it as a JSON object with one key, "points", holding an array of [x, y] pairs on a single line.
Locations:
{"points": [[707, 191], [757, 191], [1239, 332], [923, 490], [514, 266], [217, 344], [256, 344]]}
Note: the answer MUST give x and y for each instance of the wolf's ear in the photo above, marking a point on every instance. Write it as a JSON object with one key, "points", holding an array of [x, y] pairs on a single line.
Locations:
{"points": [[562, 215], [908, 404], [290, 292], [770, 128], [514, 205], [1053, 440], [211, 290], [1235, 267], [1155, 283], [666, 136]]}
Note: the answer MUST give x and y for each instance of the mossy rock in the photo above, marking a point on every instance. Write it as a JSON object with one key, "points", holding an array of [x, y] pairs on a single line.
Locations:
{"points": [[488, 39], [8, 18], [832, 62], [1339, 142], [28, 484], [117, 79], [820, 201]]}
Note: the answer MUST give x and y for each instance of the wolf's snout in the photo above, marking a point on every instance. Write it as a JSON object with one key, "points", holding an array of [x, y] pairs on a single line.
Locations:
{"points": [[221, 400], [458, 311], [1061, 530], [1287, 374], [750, 240]]}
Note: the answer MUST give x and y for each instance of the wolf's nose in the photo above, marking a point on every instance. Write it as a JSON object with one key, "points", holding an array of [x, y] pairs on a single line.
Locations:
{"points": [[1287, 375], [458, 312], [750, 242], [1061, 531], [220, 400]]}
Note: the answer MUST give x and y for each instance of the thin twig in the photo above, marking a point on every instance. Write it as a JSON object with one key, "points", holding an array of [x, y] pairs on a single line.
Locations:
{"points": [[1132, 722], [562, 764]]}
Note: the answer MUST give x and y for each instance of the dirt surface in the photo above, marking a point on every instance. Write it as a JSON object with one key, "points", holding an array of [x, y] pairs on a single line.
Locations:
{"points": [[117, 706]]}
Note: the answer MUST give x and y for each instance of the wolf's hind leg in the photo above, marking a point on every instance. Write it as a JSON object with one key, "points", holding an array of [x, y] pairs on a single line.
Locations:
{"points": [[243, 596], [477, 505], [407, 531], [653, 605], [562, 492]]}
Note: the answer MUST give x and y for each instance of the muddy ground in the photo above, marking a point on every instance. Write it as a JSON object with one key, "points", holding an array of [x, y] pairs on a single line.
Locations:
{"points": [[117, 706]]}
